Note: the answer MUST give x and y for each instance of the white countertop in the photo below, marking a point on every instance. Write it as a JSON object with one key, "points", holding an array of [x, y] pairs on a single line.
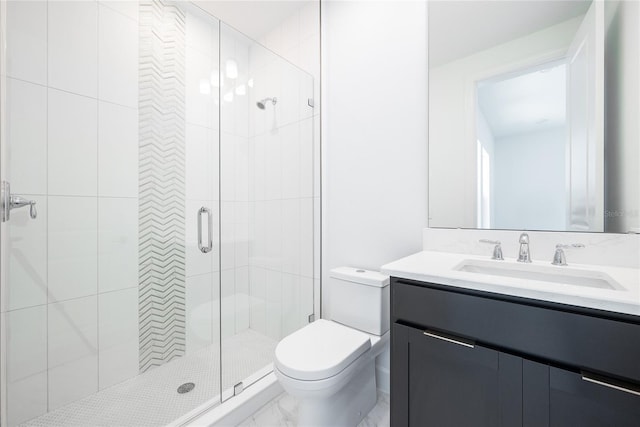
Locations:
{"points": [[439, 268]]}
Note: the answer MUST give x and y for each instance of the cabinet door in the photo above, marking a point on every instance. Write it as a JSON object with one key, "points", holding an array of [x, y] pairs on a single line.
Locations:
{"points": [[450, 382], [577, 401]]}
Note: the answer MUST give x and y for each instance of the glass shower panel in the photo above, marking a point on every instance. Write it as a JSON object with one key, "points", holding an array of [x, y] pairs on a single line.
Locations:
{"points": [[110, 295], [266, 151]]}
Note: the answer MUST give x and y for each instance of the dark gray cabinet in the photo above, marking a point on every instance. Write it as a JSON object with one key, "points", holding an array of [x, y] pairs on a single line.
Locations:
{"points": [[451, 365]]}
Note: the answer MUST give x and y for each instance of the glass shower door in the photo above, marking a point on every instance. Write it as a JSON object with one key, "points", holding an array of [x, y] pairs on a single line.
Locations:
{"points": [[266, 158]]}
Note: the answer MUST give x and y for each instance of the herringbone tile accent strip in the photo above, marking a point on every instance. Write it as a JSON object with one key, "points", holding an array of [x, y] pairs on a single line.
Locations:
{"points": [[161, 183]]}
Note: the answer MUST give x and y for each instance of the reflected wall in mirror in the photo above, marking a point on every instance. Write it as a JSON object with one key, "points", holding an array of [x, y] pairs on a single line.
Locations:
{"points": [[534, 115]]}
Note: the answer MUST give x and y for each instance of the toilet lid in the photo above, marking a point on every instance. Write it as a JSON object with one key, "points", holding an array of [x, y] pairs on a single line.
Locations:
{"points": [[320, 350]]}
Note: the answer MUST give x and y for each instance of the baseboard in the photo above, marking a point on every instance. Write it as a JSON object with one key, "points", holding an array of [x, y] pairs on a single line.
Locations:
{"points": [[383, 378]]}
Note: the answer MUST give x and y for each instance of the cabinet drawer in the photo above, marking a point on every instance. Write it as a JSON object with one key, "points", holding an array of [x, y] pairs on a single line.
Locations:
{"points": [[577, 340], [576, 401]]}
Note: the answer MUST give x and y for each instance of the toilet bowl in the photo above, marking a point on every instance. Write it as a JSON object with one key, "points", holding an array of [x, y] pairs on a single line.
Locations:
{"points": [[329, 365]]}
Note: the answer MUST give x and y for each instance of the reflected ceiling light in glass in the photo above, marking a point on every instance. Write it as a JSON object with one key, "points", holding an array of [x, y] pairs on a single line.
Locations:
{"points": [[231, 69], [215, 78], [205, 87], [250, 83]]}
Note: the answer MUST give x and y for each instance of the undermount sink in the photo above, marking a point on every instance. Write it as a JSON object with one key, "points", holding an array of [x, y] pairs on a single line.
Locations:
{"points": [[562, 275]]}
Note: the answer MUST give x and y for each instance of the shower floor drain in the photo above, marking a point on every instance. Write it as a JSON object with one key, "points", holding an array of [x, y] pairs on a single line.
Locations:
{"points": [[186, 388]]}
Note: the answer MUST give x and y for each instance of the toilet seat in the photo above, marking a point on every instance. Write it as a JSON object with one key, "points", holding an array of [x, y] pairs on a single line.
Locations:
{"points": [[320, 350]]}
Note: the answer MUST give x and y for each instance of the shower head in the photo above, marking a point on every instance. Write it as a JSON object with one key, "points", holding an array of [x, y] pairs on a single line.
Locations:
{"points": [[263, 103]]}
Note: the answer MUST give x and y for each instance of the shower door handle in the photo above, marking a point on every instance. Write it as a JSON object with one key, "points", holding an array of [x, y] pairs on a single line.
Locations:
{"points": [[205, 249]]}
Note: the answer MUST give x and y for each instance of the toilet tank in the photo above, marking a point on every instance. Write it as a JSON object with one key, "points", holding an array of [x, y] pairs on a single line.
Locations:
{"points": [[360, 299]]}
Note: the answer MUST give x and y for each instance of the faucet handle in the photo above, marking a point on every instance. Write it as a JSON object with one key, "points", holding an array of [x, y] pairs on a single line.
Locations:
{"points": [[524, 238], [559, 257], [497, 249]]}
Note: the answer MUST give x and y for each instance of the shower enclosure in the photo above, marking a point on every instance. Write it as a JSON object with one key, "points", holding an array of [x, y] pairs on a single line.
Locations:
{"points": [[158, 211]]}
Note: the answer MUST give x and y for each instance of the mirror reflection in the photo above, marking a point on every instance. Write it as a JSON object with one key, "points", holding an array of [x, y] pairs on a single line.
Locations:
{"points": [[531, 108]]}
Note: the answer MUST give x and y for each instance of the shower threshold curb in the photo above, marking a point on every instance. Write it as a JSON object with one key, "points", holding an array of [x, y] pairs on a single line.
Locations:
{"points": [[235, 410]]}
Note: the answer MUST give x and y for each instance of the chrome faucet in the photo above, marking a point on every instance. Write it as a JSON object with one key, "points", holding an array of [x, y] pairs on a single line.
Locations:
{"points": [[497, 249], [559, 258], [524, 255]]}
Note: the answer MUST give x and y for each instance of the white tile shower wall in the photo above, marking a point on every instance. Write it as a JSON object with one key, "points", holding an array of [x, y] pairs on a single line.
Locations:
{"points": [[284, 177], [72, 131]]}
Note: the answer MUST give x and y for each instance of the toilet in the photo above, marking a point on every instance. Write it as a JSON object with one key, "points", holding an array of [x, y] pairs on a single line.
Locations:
{"points": [[329, 365]]}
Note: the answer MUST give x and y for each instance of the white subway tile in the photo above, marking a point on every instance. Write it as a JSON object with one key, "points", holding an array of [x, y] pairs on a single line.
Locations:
{"points": [[72, 152], [259, 168], [242, 298], [241, 170], [290, 304], [73, 46], [291, 102], [228, 166], [201, 33], [118, 336], [199, 91], [241, 244], [227, 303], [72, 247], [258, 245], [117, 151], [273, 166], [306, 237], [117, 58], [27, 137], [257, 301], [199, 312], [199, 167], [291, 165], [290, 226], [26, 363], [273, 226], [125, 7], [117, 243], [26, 47], [27, 272], [72, 350]]}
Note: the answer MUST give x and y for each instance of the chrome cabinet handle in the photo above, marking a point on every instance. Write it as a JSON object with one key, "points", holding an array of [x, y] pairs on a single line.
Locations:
{"points": [[205, 249], [587, 378], [447, 339], [10, 202]]}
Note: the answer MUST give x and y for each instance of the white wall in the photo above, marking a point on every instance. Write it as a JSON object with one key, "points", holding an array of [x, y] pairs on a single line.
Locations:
{"points": [[452, 144], [374, 133], [527, 195], [622, 128]]}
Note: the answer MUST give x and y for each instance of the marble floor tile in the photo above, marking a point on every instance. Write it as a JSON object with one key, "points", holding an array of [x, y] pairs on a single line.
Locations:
{"points": [[283, 412]]}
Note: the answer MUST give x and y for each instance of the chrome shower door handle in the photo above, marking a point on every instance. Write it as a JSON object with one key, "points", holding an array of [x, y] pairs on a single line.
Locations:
{"points": [[205, 249], [10, 202]]}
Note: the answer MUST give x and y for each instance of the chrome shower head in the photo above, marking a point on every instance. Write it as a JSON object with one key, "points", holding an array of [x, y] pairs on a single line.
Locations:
{"points": [[262, 103]]}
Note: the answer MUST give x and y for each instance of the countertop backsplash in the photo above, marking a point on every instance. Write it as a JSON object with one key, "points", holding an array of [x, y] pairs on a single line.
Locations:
{"points": [[619, 250]]}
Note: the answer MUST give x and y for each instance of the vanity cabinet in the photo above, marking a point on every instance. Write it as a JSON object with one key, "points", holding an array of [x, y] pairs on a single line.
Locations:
{"points": [[469, 358]]}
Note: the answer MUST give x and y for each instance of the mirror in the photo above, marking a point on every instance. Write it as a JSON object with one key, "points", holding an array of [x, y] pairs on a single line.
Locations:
{"points": [[534, 115]]}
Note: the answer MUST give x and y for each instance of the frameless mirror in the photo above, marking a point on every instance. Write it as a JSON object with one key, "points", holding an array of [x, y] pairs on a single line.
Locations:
{"points": [[534, 115]]}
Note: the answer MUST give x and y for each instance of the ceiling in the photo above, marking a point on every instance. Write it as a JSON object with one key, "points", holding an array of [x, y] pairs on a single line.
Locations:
{"points": [[460, 28], [255, 18], [530, 102]]}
